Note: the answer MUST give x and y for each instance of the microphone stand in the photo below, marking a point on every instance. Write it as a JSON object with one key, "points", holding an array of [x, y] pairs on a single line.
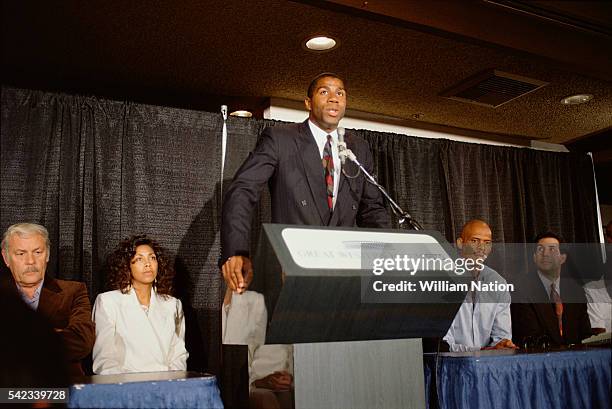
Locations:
{"points": [[402, 216]]}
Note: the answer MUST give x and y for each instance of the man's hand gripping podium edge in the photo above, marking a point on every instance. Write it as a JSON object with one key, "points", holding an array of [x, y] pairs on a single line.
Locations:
{"points": [[238, 273]]}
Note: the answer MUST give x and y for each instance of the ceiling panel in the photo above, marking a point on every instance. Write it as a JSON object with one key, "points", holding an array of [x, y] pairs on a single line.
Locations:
{"points": [[397, 57]]}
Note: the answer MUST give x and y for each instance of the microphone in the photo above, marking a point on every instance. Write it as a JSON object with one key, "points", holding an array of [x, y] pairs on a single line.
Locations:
{"points": [[341, 146], [343, 151]]}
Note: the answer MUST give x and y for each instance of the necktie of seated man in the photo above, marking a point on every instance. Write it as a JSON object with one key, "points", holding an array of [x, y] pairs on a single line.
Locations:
{"points": [[556, 298], [328, 168]]}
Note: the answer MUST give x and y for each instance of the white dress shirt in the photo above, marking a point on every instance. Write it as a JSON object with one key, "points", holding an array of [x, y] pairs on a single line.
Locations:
{"points": [[244, 321], [599, 305], [321, 138], [483, 324], [546, 282], [31, 302]]}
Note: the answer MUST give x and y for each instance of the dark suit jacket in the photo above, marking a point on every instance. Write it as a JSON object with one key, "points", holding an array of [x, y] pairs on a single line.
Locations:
{"points": [[288, 159], [31, 353], [531, 317], [66, 307]]}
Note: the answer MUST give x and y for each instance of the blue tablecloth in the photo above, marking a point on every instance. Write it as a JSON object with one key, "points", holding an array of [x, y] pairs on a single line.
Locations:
{"points": [[559, 380], [135, 391]]}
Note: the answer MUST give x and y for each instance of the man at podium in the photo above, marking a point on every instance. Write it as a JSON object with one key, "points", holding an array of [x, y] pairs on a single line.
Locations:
{"points": [[308, 186]]}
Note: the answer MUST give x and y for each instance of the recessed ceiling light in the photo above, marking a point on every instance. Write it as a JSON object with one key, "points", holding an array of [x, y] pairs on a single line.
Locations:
{"points": [[321, 43], [577, 99], [242, 113]]}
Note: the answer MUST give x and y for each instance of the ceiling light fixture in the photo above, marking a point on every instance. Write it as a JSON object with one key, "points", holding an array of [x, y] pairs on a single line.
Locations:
{"points": [[242, 114], [321, 43], [576, 99]]}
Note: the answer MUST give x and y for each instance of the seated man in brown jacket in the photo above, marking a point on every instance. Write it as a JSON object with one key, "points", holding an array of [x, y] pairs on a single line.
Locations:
{"points": [[64, 304]]}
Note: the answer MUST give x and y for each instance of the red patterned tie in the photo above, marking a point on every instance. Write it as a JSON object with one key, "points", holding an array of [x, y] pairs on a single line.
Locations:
{"points": [[328, 166], [554, 295]]}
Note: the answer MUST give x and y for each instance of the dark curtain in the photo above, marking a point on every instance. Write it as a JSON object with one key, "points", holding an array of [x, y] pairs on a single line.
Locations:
{"points": [[519, 191], [409, 167], [94, 171]]}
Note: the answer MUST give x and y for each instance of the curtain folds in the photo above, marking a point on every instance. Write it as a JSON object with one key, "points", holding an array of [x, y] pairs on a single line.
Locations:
{"points": [[94, 171]]}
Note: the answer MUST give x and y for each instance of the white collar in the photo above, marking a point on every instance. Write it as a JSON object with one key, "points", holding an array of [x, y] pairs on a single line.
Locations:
{"points": [[320, 135], [546, 282]]}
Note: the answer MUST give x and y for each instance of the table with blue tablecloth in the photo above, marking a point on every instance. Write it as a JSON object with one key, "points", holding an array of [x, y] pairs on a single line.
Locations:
{"points": [[505, 379], [171, 389]]}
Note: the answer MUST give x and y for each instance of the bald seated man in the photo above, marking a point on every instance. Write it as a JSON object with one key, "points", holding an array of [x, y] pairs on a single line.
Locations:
{"points": [[483, 320]]}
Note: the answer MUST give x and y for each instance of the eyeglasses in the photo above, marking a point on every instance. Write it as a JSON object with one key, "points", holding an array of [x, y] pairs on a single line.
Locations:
{"points": [[551, 249]]}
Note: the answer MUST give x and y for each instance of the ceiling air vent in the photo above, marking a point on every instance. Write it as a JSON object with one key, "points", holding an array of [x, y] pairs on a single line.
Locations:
{"points": [[492, 88]]}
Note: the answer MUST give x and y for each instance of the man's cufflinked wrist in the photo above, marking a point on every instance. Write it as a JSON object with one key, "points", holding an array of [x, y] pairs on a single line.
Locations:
{"points": [[222, 261]]}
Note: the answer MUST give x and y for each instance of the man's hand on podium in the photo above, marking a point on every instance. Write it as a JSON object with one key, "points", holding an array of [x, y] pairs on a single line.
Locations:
{"points": [[503, 344], [277, 381], [238, 273]]}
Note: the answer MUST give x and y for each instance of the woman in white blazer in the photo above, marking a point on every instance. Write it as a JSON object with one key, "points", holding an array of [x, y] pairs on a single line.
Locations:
{"points": [[140, 327]]}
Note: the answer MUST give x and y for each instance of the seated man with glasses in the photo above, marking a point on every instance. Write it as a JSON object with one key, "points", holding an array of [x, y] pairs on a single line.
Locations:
{"points": [[552, 307], [483, 320]]}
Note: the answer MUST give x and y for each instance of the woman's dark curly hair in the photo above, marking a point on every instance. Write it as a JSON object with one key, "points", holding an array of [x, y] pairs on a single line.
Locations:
{"points": [[120, 275]]}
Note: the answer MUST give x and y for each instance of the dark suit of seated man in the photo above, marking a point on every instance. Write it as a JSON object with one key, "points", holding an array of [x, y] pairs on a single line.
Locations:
{"points": [[64, 304], [539, 315]]}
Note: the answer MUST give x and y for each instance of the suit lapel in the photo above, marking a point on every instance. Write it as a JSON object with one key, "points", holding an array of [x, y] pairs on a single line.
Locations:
{"points": [[546, 310], [141, 324], [49, 301], [313, 168], [549, 319], [159, 323]]}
